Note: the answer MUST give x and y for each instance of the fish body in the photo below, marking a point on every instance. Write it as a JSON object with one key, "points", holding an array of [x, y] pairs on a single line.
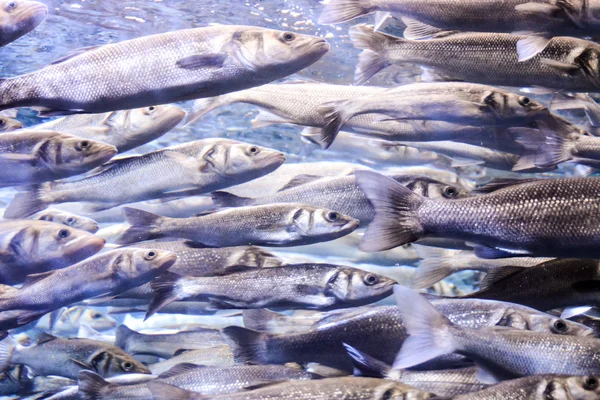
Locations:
{"points": [[218, 356], [67, 218], [266, 225], [18, 18], [37, 156], [194, 167], [126, 129], [198, 62]]}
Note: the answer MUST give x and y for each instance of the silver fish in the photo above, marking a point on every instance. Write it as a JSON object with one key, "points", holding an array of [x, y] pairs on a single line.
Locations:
{"points": [[266, 225], [66, 218], [199, 62], [8, 124], [18, 18], [312, 286], [125, 129], [66, 357], [68, 320], [218, 356], [454, 102], [33, 247], [192, 168], [37, 156]]}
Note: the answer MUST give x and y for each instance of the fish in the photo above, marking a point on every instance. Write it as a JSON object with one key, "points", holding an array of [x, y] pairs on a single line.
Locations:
{"points": [[208, 380], [378, 331], [285, 224], [530, 387], [66, 218], [15, 380], [191, 168], [218, 356], [19, 18], [166, 345], [105, 274], [545, 207], [126, 129], [8, 124], [500, 353], [39, 156], [471, 104], [344, 388], [311, 286], [73, 393], [339, 193], [32, 247], [444, 383], [51, 355], [565, 63], [68, 320], [200, 62], [544, 286]]}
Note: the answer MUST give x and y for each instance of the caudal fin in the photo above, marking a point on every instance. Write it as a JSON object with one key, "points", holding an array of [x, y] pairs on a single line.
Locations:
{"points": [[124, 336], [164, 391], [144, 226], [396, 222], [430, 331], [202, 107], [335, 115], [226, 199], [164, 293], [579, 101], [248, 346], [431, 271], [26, 203], [90, 386], [365, 365], [373, 58], [7, 347], [341, 11]]}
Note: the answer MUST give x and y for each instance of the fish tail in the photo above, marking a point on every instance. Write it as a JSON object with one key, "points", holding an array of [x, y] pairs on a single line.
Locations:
{"points": [[202, 107], [226, 199], [562, 101], [164, 391], [7, 348], [122, 337], [247, 345], [431, 271], [90, 385], [342, 10], [373, 58], [365, 365], [144, 226], [265, 320], [335, 114], [164, 289], [543, 151], [396, 221], [27, 203], [430, 332]]}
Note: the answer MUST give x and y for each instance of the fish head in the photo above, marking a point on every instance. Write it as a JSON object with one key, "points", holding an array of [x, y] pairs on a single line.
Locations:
{"points": [[588, 60], [276, 52], [153, 121], [358, 286], [96, 319], [21, 16], [62, 244], [322, 224], [512, 107], [78, 153], [577, 387], [255, 257], [66, 218], [432, 188], [134, 262], [8, 124], [243, 160], [550, 324], [114, 361]]}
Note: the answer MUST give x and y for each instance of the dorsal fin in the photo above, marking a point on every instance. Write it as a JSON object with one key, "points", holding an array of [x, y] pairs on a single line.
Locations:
{"points": [[74, 54], [300, 180], [44, 337], [498, 274], [33, 278], [497, 184], [178, 369]]}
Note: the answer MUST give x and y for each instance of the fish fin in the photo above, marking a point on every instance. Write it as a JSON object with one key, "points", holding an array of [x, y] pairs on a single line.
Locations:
{"points": [[163, 292], [396, 221], [74, 53], [381, 19], [365, 365], [266, 118], [7, 347], [179, 352], [369, 63], [164, 391], [531, 46], [144, 226], [570, 312], [568, 68], [82, 364], [538, 8], [342, 10], [562, 101], [55, 316], [16, 245], [300, 180], [28, 316], [497, 184], [44, 337], [33, 278], [335, 117], [90, 384], [178, 369], [497, 274], [264, 320], [417, 30], [487, 252], [430, 272], [211, 60], [429, 330], [319, 371], [202, 107], [46, 112], [26, 203], [554, 151], [226, 199], [372, 59], [525, 162], [486, 376], [122, 335], [247, 345]]}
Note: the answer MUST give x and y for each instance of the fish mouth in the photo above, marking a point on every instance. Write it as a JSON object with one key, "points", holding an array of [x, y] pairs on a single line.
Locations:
{"points": [[351, 225], [320, 44], [167, 260], [37, 12]]}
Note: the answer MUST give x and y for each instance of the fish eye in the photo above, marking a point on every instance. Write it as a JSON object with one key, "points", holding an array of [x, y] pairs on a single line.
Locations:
{"points": [[150, 255], [388, 394], [70, 220], [450, 192], [524, 101], [11, 6], [96, 316], [332, 216], [64, 233], [560, 326], [83, 145], [2, 122], [590, 383], [151, 108], [127, 366], [288, 36], [253, 150], [370, 279]]}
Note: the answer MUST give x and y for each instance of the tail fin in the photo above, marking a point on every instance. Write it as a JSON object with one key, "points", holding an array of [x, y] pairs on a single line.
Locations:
{"points": [[373, 58], [202, 107], [123, 336], [163, 292], [579, 101], [144, 226], [365, 365], [164, 391], [226, 199], [90, 385], [430, 272], [248, 346], [27, 203], [396, 222], [336, 115], [430, 332], [341, 11], [7, 347]]}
